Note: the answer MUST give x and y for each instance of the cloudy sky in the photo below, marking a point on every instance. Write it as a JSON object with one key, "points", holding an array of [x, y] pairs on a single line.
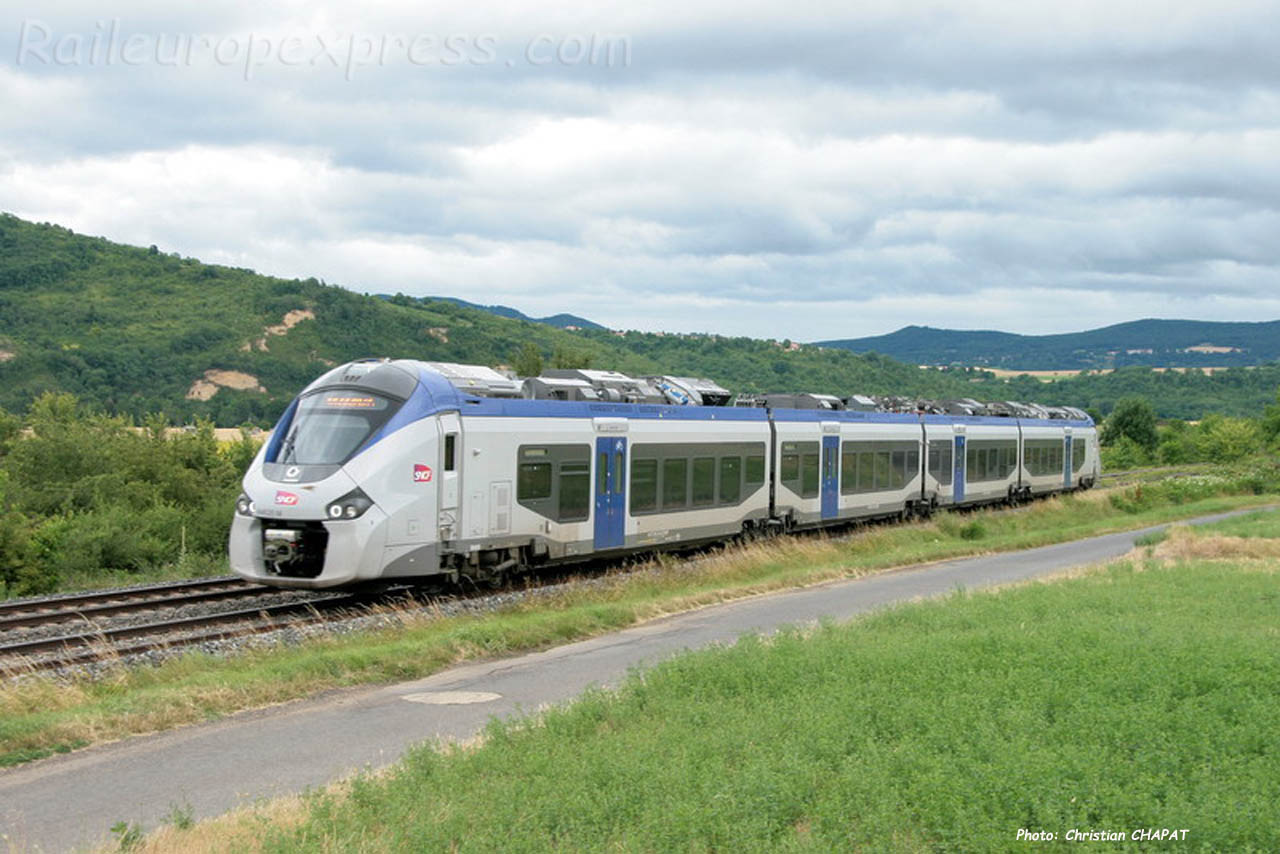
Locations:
{"points": [[802, 170]]}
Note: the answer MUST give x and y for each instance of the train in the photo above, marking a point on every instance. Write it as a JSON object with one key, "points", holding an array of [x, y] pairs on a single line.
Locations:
{"points": [[388, 471]]}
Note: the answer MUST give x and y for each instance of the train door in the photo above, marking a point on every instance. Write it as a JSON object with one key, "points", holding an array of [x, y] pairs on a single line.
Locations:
{"points": [[610, 492], [446, 474], [830, 476], [957, 479], [1066, 461]]}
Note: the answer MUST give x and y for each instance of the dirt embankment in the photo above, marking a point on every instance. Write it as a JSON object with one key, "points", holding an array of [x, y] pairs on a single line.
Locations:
{"points": [[289, 321], [207, 386]]}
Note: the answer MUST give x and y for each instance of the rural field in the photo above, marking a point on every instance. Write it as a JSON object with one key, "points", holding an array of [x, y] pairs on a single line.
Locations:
{"points": [[1132, 697]]}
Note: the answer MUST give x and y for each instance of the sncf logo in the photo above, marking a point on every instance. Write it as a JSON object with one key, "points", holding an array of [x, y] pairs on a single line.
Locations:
{"points": [[421, 473], [286, 499]]}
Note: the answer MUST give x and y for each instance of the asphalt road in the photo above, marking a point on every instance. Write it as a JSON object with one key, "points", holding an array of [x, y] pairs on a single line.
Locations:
{"points": [[70, 801]]}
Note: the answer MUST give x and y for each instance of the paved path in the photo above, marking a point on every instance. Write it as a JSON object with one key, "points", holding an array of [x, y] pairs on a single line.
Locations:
{"points": [[70, 801]]}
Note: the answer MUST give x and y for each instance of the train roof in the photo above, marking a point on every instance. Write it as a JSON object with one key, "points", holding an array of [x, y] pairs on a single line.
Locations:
{"points": [[582, 386]]}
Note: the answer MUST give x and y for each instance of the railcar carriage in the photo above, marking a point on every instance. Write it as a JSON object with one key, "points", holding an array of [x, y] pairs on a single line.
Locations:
{"points": [[844, 465], [383, 471]]}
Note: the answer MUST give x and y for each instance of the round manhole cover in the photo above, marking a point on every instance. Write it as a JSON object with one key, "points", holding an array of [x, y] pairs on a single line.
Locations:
{"points": [[452, 698]]}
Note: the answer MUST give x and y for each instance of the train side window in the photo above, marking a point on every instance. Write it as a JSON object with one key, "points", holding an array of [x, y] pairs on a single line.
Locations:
{"points": [[450, 443], [790, 467], [602, 473], [755, 470], [704, 481], [882, 464], [675, 483], [533, 481], [913, 464], [899, 469], [619, 472], [975, 465], [644, 486], [809, 476], [575, 496], [866, 472], [848, 471], [730, 480]]}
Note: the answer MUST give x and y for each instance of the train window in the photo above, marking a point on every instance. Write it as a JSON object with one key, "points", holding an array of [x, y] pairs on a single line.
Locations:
{"points": [[730, 480], [790, 467], [940, 461], [675, 483], [533, 481], [1079, 450], [975, 465], [899, 469], [866, 471], [704, 481], [644, 486], [809, 476], [450, 444], [880, 463], [619, 467], [913, 464], [848, 471], [754, 470], [575, 496]]}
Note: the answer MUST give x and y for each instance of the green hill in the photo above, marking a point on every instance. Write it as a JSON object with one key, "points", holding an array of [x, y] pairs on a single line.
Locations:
{"points": [[137, 330], [132, 330], [559, 321], [1162, 343]]}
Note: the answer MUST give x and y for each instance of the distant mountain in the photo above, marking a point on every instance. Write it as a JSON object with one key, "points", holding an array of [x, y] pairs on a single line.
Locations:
{"points": [[1157, 343], [560, 321]]}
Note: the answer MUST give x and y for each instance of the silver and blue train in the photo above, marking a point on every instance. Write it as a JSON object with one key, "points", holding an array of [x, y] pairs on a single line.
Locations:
{"points": [[393, 471]]}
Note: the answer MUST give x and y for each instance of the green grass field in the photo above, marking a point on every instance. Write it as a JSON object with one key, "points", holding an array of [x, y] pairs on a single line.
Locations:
{"points": [[1140, 696], [1263, 523]]}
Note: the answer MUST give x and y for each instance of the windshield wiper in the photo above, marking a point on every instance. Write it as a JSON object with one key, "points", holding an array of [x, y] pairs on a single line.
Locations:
{"points": [[289, 442]]}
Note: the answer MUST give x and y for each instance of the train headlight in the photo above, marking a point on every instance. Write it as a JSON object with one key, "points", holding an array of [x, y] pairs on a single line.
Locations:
{"points": [[350, 506], [244, 506]]}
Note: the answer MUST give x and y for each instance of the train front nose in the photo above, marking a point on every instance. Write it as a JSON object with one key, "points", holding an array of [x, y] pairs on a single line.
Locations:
{"points": [[308, 553], [318, 534]]}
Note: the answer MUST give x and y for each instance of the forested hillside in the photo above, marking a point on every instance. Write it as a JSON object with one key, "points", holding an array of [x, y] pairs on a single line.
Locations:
{"points": [[132, 331]]}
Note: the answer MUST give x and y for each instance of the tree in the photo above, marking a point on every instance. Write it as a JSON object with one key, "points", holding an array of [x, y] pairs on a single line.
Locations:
{"points": [[570, 359], [1134, 418], [1271, 421], [527, 362]]}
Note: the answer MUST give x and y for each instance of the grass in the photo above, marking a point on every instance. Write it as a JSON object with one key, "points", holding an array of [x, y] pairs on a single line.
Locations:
{"points": [[1139, 695], [38, 714], [1264, 523]]}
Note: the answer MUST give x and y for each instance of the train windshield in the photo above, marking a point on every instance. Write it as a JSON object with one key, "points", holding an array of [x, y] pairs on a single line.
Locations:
{"points": [[330, 426]]}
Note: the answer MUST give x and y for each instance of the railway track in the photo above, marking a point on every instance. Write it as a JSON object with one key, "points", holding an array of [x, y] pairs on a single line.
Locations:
{"points": [[56, 631], [109, 603], [95, 643]]}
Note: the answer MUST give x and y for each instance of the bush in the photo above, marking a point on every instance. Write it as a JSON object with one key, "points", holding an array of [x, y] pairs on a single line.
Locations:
{"points": [[86, 493], [1134, 419]]}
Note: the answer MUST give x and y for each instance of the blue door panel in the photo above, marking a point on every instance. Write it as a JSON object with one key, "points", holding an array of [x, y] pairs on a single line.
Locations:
{"points": [[610, 492], [957, 478], [1066, 463], [830, 476]]}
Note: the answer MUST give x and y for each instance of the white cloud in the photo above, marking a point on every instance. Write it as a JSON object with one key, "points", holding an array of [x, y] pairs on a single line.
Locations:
{"points": [[807, 171]]}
